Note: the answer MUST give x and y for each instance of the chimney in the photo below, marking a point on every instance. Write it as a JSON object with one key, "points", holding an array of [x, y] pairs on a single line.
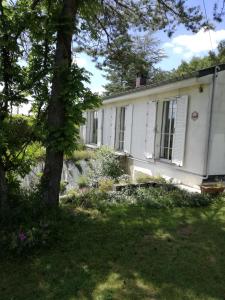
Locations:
{"points": [[140, 80]]}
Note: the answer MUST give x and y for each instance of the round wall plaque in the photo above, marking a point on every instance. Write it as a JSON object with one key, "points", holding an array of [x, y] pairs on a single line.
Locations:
{"points": [[194, 115]]}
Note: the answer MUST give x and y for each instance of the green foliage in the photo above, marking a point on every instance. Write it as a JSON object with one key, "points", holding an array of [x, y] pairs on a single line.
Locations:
{"points": [[28, 225], [63, 185], [105, 184], [69, 197], [106, 164], [162, 197], [143, 178], [75, 101], [28, 31], [196, 63], [125, 252], [120, 80], [18, 144], [125, 178], [36, 151], [139, 54], [79, 155], [165, 196], [83, 181], [91, 198]]}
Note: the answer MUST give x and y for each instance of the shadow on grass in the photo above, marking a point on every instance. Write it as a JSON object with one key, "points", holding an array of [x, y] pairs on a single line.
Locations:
{"points": [[126, 253]]}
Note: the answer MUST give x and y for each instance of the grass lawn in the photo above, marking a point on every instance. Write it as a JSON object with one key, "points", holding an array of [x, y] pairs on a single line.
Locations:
{"points": [[126, 252]]}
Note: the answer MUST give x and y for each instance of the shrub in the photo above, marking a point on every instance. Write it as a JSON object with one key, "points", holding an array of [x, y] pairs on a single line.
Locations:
{"points": [[165, 196], [83, 182], [29, 225], [125, 178], [162, 197], [78, 155], [121, 197], [92, 198], [105, 184], [144, 178], [36, 150], [69, 197], [106, 164], [63, 185]]}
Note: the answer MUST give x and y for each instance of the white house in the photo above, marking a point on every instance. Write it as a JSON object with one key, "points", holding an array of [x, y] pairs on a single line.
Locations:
{"points": [[175, 129]]}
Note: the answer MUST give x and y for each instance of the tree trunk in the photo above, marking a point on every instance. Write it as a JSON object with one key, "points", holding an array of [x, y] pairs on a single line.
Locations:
{"points": [[56, 108], [3, 193]]}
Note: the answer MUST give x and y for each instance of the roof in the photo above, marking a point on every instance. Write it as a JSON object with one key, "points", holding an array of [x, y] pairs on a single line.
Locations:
{"points": [[196, 74]]}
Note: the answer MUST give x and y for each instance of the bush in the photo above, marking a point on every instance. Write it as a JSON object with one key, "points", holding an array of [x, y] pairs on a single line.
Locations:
{"points": [[69, 197], [105, 184], [144, 178], [162, 197], [92, 198], [63, 185], [125, 178], [36, 151], [78, 155], [106, 164], [29, 225], [83, 182], [165, 196]]}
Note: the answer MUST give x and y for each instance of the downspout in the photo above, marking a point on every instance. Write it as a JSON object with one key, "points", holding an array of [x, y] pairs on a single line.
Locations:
{"points": [[208, 142]]}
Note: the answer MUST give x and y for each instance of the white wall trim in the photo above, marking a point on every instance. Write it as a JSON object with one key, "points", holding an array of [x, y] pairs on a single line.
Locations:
{"points": [[160, 89]]}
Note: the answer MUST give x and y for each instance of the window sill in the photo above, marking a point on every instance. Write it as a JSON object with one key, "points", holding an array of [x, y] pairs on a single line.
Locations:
{"points": [[164, 161], [169, 163]]}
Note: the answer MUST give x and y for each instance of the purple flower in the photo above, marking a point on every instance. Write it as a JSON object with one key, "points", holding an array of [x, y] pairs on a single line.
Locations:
{"points": [[22, 236]]}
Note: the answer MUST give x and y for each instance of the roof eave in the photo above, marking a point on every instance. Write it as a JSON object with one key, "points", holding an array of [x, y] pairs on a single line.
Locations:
{"points": [[160, 89]]}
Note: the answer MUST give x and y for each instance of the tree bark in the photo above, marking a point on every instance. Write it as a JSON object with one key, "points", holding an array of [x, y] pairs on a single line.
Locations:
{"points": [[6, 62], [3, 193], [56, 108]]}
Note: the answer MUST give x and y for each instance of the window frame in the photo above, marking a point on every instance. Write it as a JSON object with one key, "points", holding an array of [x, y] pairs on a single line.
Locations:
{"points": [[93, 127], [168, 124], [120, 128]]}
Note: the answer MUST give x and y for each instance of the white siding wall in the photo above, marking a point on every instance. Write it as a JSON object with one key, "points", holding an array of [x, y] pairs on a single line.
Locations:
{"points": [[196, 133], [217, 143], [192, 168]]}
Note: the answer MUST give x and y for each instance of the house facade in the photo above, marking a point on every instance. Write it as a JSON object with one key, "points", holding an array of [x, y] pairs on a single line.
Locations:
{"points": [[173, 129]]}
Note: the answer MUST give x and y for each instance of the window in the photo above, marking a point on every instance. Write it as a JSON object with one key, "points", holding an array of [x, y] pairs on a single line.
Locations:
{"points": [[168, 129], [93, 127], [120, 128]]}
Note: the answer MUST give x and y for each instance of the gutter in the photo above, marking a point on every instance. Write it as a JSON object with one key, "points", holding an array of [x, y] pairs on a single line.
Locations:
{"points": [[209, 136]]}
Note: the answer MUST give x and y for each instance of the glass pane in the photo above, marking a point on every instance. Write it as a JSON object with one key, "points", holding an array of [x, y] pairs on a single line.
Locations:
{"points": [[167, 117], [168, 129], [170, 154], [120, 127], [94, 119]]}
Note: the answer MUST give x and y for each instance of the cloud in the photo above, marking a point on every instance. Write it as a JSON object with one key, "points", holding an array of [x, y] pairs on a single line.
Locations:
{"points": [[195, 44], [99, 89], [81, 62], [178, 50]]}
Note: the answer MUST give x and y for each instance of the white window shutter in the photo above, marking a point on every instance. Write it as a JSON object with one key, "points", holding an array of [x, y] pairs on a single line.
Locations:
{"points": [[83, 128], [150, 129], [100, 120], [180, 131], [113, 124], [128, 128], [88, 129]]}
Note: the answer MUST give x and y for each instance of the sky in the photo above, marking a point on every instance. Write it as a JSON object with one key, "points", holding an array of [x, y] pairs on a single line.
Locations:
{"points": [[183, 45]]}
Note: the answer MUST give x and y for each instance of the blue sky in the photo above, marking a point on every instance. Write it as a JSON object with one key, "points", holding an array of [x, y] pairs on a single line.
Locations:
{"points": [[182, 46]]}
